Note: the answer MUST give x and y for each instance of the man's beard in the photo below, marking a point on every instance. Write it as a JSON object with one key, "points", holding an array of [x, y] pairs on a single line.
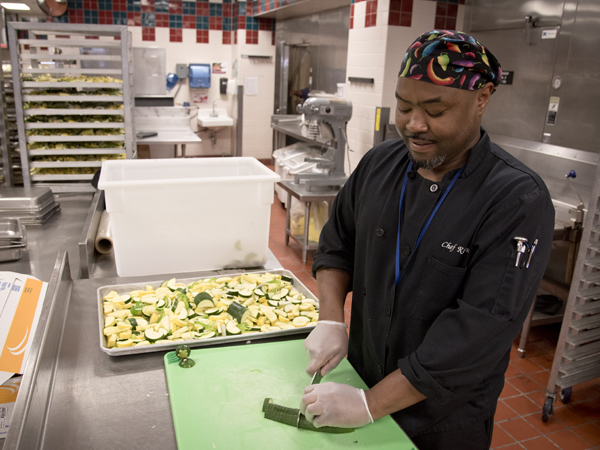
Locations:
{"points": [[431, 163]]}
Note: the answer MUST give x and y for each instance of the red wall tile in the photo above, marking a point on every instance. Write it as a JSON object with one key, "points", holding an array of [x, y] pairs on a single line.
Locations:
{"points": [[175, 35], [148, 34]]}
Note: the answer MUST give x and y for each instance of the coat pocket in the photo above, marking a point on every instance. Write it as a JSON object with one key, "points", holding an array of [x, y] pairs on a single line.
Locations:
{"points": [[438, 289], [511, 298]]}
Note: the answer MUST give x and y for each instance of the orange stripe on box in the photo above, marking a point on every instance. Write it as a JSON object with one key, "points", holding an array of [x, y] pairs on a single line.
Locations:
{"points": [[20, 331], [8, 392]]}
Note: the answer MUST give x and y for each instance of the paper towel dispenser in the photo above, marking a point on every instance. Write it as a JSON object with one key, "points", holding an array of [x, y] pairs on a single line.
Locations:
{"points": [[199, 75]]}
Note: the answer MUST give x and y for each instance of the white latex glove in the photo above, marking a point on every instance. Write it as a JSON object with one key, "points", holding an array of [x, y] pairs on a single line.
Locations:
{"points": [[326, 346], [335, 405]]}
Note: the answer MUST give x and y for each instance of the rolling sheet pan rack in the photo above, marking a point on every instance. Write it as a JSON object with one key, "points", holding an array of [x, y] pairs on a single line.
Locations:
{"points": [[577, 357], [108, 52]]}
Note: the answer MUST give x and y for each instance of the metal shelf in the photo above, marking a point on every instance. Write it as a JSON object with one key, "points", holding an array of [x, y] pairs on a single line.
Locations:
{"points": [[29, 63], [72, 125], [64, 70], [94, 138], [77, 151], [65, 177], [72, 112], [94, 43], [72, 98], [41, 165], [70, 84], [74, 57]]}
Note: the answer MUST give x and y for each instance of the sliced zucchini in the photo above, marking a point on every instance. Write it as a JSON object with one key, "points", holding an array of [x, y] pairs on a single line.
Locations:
{"points": [[205, 304], [232, 328], [125, 335], [238, 312], [207, 335], [138, 323], [202, 296], [121, 326], [288, 279], [245, 293], [273, 303], [271, 316], [300, 321], [214, 311], [147, 311], [153, 336], [112, 341], [124, 343]]}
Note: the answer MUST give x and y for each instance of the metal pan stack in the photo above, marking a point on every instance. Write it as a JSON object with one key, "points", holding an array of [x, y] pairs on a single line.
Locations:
{"points": [[33, 206], [13, 239]]}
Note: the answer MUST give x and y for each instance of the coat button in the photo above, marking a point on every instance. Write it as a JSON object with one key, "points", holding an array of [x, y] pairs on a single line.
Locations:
{"points": [[411, 174], [406, 250], [433, 188], [388, 311], [379, 232], [364, 291], [379, 368]]}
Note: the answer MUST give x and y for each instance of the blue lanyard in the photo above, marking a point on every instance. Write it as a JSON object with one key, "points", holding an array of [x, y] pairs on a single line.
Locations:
{"points": [[400, 273]]}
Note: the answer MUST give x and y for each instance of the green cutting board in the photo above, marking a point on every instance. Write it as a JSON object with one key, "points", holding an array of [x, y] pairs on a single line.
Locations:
{"points": [[217, 404]]}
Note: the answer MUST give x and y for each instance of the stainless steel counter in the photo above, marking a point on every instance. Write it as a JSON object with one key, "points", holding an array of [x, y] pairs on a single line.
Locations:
{"points": [[92, 400], [61, 232], [75, 396]]}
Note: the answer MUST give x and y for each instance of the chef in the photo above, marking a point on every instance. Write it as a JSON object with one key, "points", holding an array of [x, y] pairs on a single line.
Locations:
{"points": [[443, 238]]}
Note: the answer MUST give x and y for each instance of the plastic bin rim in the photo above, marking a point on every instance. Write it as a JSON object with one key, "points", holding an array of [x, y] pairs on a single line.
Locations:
{"points": [[188, 161], [104, 185]]}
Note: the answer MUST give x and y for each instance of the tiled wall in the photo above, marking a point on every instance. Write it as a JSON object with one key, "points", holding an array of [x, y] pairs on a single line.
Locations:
{"points": [[226, 16], [400, 13], [380, 32]]}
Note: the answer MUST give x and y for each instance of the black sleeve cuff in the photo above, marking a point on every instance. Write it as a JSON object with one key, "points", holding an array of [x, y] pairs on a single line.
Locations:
{"points": [[422, 381]]}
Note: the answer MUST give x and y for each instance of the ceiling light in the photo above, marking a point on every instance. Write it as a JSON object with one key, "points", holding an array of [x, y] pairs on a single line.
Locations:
{"points": [[15, 6]]}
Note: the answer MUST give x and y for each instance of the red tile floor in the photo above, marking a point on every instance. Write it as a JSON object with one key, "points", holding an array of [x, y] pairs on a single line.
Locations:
{"points": [[518, 424]]}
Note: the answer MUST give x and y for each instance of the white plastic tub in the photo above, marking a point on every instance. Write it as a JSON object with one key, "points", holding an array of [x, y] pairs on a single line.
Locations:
{"points": [[188, 214]]}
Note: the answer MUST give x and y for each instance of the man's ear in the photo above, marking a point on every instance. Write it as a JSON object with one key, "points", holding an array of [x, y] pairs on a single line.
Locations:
{"points": [[483, 97]]}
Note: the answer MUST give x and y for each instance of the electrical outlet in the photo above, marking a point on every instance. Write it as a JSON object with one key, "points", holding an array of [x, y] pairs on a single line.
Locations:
{"points": [[181, 70]]}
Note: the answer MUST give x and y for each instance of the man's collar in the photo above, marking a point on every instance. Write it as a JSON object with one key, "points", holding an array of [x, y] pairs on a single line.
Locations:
{"points": [[476, 154]]}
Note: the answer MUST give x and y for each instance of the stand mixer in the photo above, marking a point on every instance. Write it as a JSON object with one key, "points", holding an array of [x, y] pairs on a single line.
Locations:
{"points": [[333, 113]]}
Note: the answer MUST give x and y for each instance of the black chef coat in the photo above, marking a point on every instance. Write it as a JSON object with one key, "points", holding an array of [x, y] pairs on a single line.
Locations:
{"points": [[450, 323]]}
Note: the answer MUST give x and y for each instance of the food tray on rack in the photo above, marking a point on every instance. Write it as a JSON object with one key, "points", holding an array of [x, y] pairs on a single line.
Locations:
{"points": [[133, 318]]}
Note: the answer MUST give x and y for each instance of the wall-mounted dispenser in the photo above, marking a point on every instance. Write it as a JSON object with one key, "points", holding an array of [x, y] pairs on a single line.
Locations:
{"points": [[199, 75], [223, 85]]}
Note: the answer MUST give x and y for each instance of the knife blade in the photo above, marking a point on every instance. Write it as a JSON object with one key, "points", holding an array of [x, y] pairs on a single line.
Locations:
{"points": [[316, 379]]}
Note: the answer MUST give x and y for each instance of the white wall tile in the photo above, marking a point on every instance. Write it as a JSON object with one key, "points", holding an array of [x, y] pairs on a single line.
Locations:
{"points": [[460, 18], [423, 18]]}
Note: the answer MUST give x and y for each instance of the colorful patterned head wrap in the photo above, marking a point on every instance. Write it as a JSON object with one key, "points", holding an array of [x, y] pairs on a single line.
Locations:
{"points": [[451, 58]]}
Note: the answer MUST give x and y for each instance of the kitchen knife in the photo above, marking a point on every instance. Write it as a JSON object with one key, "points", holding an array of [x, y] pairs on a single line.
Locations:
{"points": [[316, 379]]}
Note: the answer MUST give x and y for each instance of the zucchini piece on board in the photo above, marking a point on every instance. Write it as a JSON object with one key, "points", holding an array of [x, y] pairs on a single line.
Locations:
{"points": [[289, 416], [238, 311]]}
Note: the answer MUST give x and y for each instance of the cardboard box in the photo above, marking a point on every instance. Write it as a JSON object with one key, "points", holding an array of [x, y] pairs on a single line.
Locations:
{"points": [[8, 397]]}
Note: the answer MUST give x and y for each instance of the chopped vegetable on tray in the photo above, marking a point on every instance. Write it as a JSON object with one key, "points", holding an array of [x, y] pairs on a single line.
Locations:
{"points": [[205, 309]]}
